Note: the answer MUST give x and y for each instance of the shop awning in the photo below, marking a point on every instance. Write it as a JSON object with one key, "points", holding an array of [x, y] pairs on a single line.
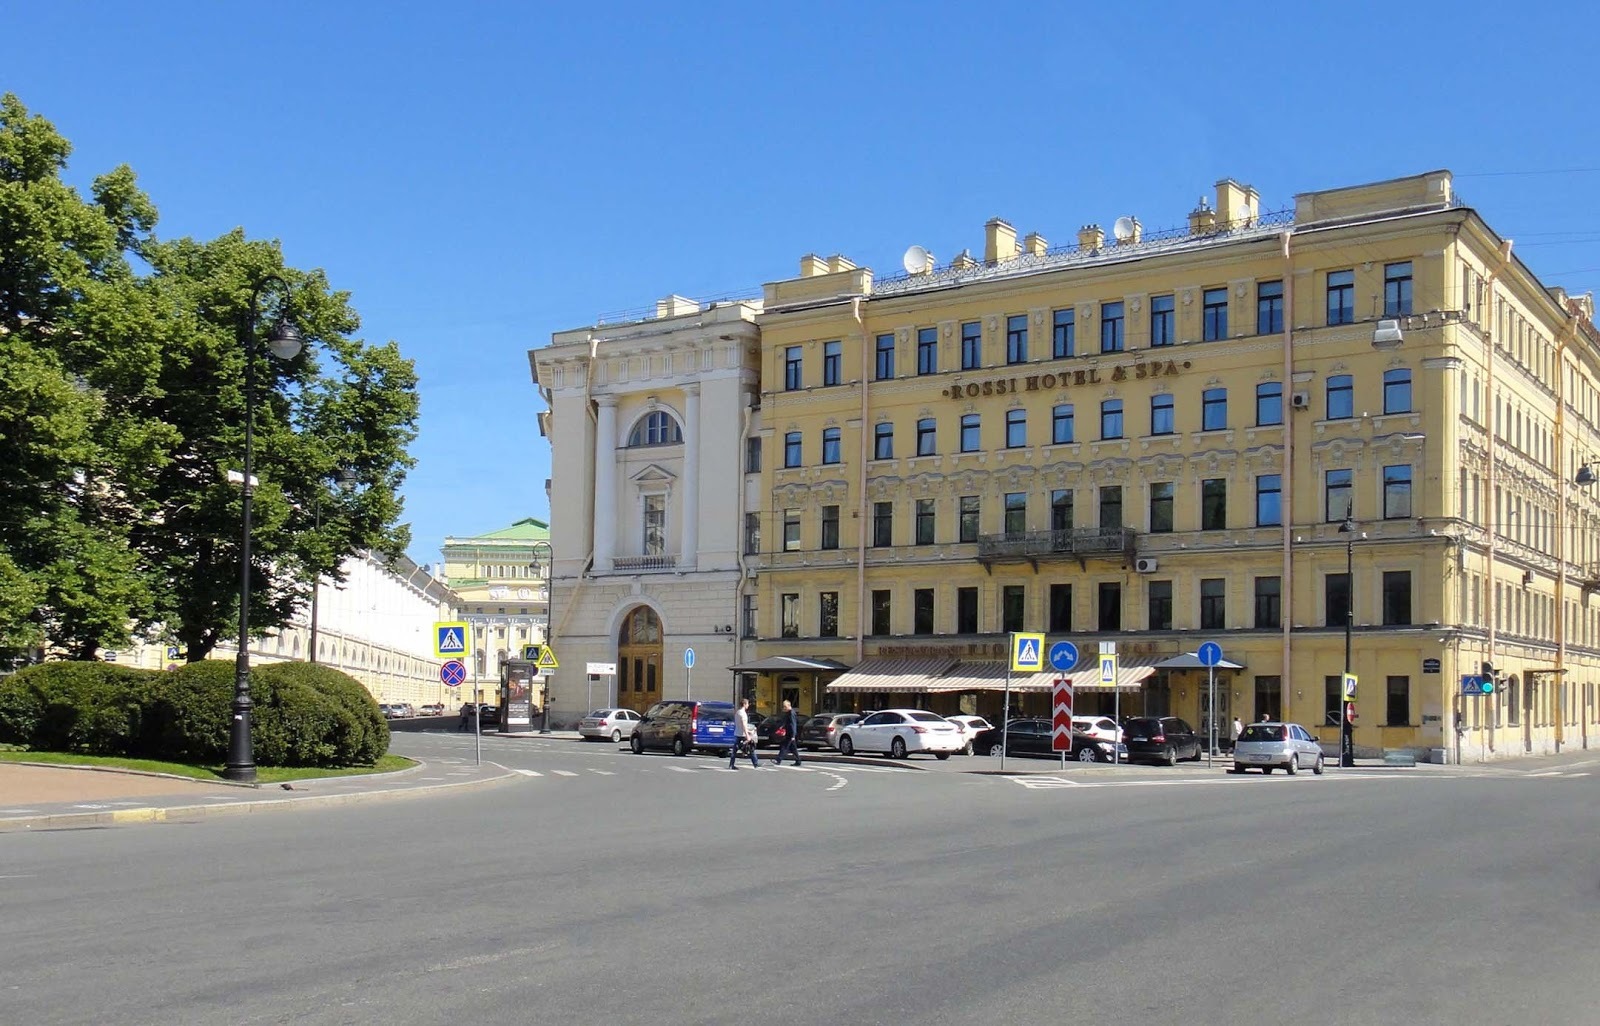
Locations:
{"points": [[790, 664], [1131, 673], [894, 674], [1190, 661]]}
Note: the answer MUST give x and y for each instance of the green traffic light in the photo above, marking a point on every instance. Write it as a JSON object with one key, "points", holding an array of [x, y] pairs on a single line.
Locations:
{"points": [[1486, 686]]}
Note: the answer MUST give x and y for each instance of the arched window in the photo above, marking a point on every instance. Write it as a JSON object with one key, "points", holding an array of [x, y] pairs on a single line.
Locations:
{"points": [[656, 429]]}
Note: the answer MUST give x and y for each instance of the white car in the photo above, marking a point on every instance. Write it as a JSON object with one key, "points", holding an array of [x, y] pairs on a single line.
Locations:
{"points": [[970, 725], [899, 732], [609, 724], [1103, 727]]}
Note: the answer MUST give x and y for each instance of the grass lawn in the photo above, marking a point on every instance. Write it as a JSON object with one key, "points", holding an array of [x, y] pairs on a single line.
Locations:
{"points": [[264, 774]]}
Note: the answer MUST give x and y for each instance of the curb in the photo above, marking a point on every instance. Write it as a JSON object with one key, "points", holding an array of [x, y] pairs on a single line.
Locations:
{"points": [[193, 813]]}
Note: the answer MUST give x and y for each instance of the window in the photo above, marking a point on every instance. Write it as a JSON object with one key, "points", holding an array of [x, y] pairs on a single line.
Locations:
{"points": [[1161, 321], [880, 611], [791, 368], [883, 441], [1016, 521], [1397, 289], [1016, 429], [1269, 500], [1396, 598], [1060, 608], [1269, 697], [1109, 610], [752, 533], [966, 610], [1213, 604], [1061, 509], [1269, 403], [789, 611], [1064, 333], [1332, 699], [791, 530], [830, 445], [1111, 419], [828, 614], [1017, 339], [1269, 602], [1214, 504], [1396, 492], [1110, 507], [922, 611], [830, 527], [882, 524], [1338, 494], [1341, 397], [1011, 607], [1269, 307], [1398, 693], [832, 362], [1341, 297], [1214, 409], [791, 449], [1336, 600], [752, 455], [1111, 340], [1160, 605], [656, 428], [927, 350], [655, 525], [969, 518], [1162, 419], [885, 357], [971, 345], [927, 436], [1061, 424], [747, 616], [924, 521], [1397, 391], [1161, 507], [1214, 311], [969, 432]]}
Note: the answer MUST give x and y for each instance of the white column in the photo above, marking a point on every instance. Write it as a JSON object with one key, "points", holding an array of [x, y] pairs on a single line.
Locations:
{"points": [[605, 484], [689, 557]]}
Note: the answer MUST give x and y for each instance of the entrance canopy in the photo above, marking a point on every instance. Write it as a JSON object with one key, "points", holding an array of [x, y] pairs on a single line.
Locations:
{"points": [[1190, 661], [945, 675], [790, 664]]}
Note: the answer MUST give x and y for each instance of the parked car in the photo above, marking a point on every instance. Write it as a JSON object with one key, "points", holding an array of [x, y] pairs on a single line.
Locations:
{"points": [[1267, 746], [970, 726], [898, 733], [822, 731], [392, 710], [488, 715], [765, 725], [1163, 739], [615, 724], [1103, 727], [432, 709], [1037, 737], [682, 725], [407, 709]]}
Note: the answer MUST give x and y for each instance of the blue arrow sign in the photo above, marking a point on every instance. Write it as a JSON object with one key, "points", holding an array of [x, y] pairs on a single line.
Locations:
{"points": [[1210, 654], [688, 658], [1063, 656]]}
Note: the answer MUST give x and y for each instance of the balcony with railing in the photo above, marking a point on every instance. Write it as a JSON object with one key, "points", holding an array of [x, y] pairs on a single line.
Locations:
{"points": [[1078, 543], [657, 564]]}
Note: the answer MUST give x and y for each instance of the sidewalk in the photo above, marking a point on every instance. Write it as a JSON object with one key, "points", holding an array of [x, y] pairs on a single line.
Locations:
{"points": [[61, 797]]}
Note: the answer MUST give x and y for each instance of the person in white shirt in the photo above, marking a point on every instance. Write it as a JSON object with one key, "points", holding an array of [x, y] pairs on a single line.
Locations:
{"points": [[742, 731]]}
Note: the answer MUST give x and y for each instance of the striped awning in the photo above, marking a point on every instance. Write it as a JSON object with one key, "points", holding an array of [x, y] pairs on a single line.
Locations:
{"points": [[944, 675], [894, 674]]}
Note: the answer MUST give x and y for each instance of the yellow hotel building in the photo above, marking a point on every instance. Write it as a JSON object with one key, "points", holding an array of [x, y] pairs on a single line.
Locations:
{"points": [[1164, 439]]}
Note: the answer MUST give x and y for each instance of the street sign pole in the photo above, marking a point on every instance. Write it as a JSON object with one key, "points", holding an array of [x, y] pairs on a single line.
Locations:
{"points": [[1211, 692], [688, 673], [1005, 719]]}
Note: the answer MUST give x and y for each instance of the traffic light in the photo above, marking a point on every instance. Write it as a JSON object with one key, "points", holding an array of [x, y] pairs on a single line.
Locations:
{"points": [[1487, 670], [1486, 685]]}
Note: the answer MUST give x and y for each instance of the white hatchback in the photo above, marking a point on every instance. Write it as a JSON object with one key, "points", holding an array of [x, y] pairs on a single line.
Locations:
{"points": [[610, 724], [1103, 727], [969, 726], [899, 732]]}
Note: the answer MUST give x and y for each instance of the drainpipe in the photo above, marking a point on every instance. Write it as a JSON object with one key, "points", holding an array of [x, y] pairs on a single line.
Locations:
{"points": [[861, 490], [1494, 456], [738, 593], [1563, 484], [1286, 599], [582, 577]]}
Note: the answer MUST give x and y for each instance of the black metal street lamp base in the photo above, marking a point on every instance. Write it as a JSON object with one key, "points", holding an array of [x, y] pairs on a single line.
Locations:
{"points": [[240, 774]]}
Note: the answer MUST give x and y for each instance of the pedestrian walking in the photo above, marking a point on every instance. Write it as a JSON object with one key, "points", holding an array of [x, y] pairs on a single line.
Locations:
{"points": [[744, 736], [1238, 728], [466, 717], [787, 733]]}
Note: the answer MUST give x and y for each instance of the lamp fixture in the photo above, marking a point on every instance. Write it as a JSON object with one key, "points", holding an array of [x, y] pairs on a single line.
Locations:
{"points": [[1388, 335]]}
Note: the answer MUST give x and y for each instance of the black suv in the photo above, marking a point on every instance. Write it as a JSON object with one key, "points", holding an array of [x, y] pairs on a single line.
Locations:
{"points": [[1164, 739]]}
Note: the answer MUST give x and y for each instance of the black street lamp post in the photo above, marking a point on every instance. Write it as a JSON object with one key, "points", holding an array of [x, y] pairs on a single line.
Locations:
{"points": [[1347, 744], [285, 343], [542, 551]]}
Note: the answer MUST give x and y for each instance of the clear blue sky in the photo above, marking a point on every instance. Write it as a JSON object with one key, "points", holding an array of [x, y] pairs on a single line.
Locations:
{"points": [[479, 175]]}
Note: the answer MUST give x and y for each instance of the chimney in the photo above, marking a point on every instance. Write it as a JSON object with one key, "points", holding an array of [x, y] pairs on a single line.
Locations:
{"points": [[1252, 204], [1091, 237], [963, 261], [999, 241], [1232, 205], [812, 265], [1202, 219], [837, 263], [1034, 245], [676, 306]]}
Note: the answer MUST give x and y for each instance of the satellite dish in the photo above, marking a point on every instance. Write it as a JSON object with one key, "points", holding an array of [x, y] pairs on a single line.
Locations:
{"points": [[1123, 229], [916, 260]]}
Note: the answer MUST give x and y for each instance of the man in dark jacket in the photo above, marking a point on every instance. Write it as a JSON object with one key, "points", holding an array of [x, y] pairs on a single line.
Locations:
{"points": [[789, 723]]}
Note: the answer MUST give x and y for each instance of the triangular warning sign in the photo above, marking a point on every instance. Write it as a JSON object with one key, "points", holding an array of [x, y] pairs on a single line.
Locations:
{"points": [[547, 659]]}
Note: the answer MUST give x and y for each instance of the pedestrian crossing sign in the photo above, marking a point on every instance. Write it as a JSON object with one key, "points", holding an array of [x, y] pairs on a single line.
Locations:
{"points": [[547, 659], [451, 640], [1027, 652]]}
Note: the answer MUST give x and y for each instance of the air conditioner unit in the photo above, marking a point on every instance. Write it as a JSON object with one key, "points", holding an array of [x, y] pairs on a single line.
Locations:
{"points": [[1145, 566], [1300, 400]]}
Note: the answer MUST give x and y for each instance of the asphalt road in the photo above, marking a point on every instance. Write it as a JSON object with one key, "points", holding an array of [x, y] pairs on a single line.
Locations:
{"points": [[614, 888]]}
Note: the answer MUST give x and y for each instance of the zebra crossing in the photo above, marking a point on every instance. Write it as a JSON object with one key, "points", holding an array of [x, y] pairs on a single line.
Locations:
{"points": [[699, 768]]}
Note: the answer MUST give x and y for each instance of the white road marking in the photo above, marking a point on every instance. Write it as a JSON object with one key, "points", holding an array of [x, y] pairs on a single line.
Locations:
{"points": [[14, 812], [530, 773], [680, 769], [564, 773], [838, 780], [1547, 773], [603, 773]]}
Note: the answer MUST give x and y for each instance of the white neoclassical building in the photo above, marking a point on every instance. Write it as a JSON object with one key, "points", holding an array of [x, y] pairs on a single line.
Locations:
{"points": [[648, 421]]}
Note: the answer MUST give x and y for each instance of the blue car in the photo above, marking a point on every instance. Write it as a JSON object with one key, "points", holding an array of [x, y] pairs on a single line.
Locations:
{"points": [[682, 725]]}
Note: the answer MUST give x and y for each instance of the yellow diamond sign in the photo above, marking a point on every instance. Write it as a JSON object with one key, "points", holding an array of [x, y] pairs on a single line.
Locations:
{"points": [[547, 659]]}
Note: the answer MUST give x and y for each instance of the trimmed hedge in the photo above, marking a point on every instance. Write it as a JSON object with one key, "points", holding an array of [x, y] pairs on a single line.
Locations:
{"points": [[304, 715]]}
